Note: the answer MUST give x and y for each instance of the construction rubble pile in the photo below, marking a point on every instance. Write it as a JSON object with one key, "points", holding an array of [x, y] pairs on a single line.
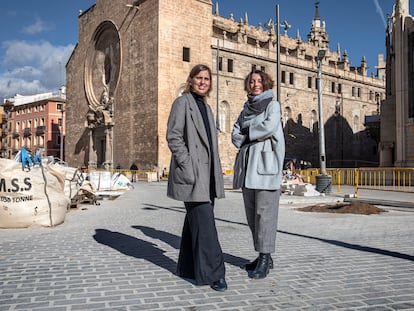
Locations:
{"points": [[293, 184]]}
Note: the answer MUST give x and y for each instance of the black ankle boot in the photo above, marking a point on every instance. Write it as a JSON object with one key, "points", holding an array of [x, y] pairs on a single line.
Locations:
{"points": [[250, 266], [262, 267], [219, 285]]}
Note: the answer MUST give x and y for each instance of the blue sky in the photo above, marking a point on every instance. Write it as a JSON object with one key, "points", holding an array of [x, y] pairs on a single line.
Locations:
{"points": [[38, 36]]}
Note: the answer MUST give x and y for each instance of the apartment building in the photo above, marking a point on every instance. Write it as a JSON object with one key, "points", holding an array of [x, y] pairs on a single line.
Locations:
{"points": [[35, 122]]}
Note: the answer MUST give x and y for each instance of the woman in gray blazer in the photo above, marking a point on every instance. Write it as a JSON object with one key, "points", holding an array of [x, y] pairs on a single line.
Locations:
{"points": [[195, 177], [258, 133]]}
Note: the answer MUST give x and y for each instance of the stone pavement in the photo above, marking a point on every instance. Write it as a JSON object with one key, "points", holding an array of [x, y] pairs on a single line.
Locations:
{"points": [[121, 255]]}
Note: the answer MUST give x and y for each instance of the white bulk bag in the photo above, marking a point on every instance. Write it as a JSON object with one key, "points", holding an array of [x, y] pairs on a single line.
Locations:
{"points": [[30, 198], [73, 178]]}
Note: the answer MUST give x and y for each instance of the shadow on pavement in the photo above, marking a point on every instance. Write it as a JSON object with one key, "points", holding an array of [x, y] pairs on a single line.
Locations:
{"points": [[174, 241], [355, 246], [134, 247], [169, 238]]}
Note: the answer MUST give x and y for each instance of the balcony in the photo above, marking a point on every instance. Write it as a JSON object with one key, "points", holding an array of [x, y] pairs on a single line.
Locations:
{"points": [[40, 130], [27, 132], [16, 134]]}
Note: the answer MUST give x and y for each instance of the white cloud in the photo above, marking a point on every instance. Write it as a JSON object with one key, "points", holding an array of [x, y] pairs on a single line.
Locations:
{"points": [[38, 27], [33, 67], [24, 72], [20, 86]]}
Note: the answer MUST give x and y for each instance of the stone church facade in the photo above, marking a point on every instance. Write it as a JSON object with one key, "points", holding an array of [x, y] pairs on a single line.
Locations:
{"points": [[132, 60]]}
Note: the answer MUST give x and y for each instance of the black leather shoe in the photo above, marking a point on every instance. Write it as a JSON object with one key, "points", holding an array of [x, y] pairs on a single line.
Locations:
{"points": [[252, 265], [262, 268], [219, 285]]}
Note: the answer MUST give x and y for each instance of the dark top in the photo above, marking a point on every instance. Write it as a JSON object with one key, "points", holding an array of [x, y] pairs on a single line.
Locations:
{"points": [[203, 110]]}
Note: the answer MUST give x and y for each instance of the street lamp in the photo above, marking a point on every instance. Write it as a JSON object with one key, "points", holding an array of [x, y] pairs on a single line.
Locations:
{"points": [[269, 25], [62, 110], [217, 88], [323, 180]]}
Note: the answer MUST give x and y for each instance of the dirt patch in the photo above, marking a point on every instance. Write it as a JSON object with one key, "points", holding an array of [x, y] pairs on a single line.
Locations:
{"points": [[343, 208]]}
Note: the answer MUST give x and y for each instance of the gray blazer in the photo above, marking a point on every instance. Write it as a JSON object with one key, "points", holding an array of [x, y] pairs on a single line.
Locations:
{"points": [[259, 164], [189, 175]]}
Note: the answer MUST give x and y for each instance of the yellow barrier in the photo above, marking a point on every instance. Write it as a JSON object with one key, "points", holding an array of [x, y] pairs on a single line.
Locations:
{"points": [[375, 178], [387, 178]]}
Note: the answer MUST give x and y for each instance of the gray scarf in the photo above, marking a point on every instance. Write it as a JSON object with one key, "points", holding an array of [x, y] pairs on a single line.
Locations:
{"points": [[255, 107]]}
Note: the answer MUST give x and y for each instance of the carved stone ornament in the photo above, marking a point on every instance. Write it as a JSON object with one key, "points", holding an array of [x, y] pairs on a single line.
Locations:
{"points": [[102, 72]]}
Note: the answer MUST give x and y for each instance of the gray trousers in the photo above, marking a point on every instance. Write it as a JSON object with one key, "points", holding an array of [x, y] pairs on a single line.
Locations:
{"points": [[262, 208]]}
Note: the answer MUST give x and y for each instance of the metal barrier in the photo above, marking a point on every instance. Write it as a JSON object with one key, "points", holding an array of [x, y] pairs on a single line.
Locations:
{"points": [[391, 179], [374, 178]]}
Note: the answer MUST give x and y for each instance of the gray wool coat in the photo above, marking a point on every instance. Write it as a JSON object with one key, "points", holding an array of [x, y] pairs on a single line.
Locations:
{"points": [[189, 175], [259, 164]]}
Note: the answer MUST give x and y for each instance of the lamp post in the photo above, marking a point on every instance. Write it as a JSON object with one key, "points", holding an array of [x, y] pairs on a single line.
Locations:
{"points": [[62, 110], [278, 53], [323, 180], [217, 88], [269, 25]]}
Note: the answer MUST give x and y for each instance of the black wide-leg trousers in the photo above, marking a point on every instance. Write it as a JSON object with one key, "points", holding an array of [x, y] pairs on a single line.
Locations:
{"points": [[201, 256]]}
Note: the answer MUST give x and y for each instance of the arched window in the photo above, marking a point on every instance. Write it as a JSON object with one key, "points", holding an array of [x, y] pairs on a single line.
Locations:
{"points": [[224, 116], [313, 121], [287, 114], [356, 124]]}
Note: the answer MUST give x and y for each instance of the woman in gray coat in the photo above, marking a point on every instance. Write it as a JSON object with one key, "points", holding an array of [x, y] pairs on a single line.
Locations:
{"points": [[195, 177], [258, 134]]}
